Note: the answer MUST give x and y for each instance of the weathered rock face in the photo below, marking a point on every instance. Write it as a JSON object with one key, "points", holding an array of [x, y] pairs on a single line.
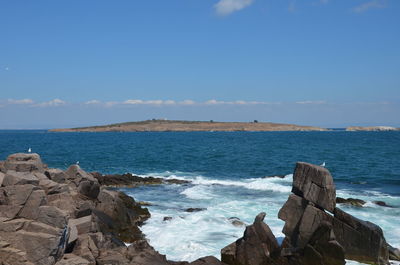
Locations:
{"points": [[87, 185], [48, 217], [257, 246], [313, 236], [119, 214], [24, 163], [315, 184], [363, 241], [322, 248], [19, 178], [304, 215]]}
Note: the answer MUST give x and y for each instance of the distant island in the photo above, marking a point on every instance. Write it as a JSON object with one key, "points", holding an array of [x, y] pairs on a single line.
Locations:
{"points": [[157, 125], [372, 128]]}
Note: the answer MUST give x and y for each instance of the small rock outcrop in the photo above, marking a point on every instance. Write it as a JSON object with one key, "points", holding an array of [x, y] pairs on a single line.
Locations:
{"points": [[129, 180], [305, 212], [316, 231], [350, 201], [257, 246]]}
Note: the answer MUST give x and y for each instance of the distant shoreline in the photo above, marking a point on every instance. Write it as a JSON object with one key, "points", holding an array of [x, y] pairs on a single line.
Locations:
{"points": [[189, 126]]}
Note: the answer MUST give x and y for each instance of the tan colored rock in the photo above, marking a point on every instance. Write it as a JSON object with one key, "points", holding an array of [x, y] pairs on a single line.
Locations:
{"points": [[56, 175], [1, 178], [73, 234], [9, 212], [84, 208], [19, 178], [31, 207], [71, 259], [13, 256], [75, 174], [83, 224], [89, 189], [33, 226], [63, 201], [12, 226], [2, 168], [86, 248], [114, 257], [15, 195], [53, 216], [21, 162]]}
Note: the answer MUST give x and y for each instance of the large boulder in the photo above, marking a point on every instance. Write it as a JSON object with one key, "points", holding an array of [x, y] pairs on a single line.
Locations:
{"points": [[315, 184], [322, 248], [119, 214], [21, 162], [19, 178], [52, 216], [56, 175], [86, 183], [362, 240], [31, 208], [257, 246]]}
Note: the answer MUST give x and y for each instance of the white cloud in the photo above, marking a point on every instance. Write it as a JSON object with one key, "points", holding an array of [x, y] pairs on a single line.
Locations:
{"points": [[148, 102], [374, 4], [52, 103], [133, 101], [187, 102], [92, 102], [20, 101], [316, 102], [111, 103], [226, 7], [214, 102]]}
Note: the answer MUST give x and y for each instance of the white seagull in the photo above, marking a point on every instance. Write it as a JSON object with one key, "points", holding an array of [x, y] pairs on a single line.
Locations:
{"points": [[77, 162], [29, 150], [323, 164]]}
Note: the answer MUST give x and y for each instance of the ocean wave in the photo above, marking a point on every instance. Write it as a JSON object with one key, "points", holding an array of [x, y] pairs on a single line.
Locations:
{"points": [[276, 184]]}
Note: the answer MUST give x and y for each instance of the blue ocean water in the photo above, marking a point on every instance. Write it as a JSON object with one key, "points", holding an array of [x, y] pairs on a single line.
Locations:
{"points": [[227, 170]]}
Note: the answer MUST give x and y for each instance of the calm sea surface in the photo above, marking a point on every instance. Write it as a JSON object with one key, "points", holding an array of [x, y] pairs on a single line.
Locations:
{"points": [[227, 170]]}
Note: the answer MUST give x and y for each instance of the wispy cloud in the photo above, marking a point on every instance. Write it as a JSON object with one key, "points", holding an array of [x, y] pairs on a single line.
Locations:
{"points": [[93, 102], [25, 101], [52, 103], [226, 7], [315, 102], [374, 4], [187, 102]]}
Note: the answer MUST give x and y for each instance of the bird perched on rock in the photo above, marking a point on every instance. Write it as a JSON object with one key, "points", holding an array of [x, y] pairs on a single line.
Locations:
{"points": [[77, 162], [29, 150], [323, 164]]}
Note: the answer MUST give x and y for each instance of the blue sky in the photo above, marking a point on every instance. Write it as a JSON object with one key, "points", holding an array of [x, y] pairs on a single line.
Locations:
{"points": [[329, 63]]}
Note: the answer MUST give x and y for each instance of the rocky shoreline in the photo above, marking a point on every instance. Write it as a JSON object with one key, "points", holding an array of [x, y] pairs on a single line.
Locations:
{"points": [[49, 216]]}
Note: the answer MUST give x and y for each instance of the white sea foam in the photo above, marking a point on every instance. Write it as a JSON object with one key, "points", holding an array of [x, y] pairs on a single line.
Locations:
{"points": [[204, 233], [198, 192]]}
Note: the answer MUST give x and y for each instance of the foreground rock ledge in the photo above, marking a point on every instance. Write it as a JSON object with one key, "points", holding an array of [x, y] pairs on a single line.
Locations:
{"points": [[50, 216]]}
